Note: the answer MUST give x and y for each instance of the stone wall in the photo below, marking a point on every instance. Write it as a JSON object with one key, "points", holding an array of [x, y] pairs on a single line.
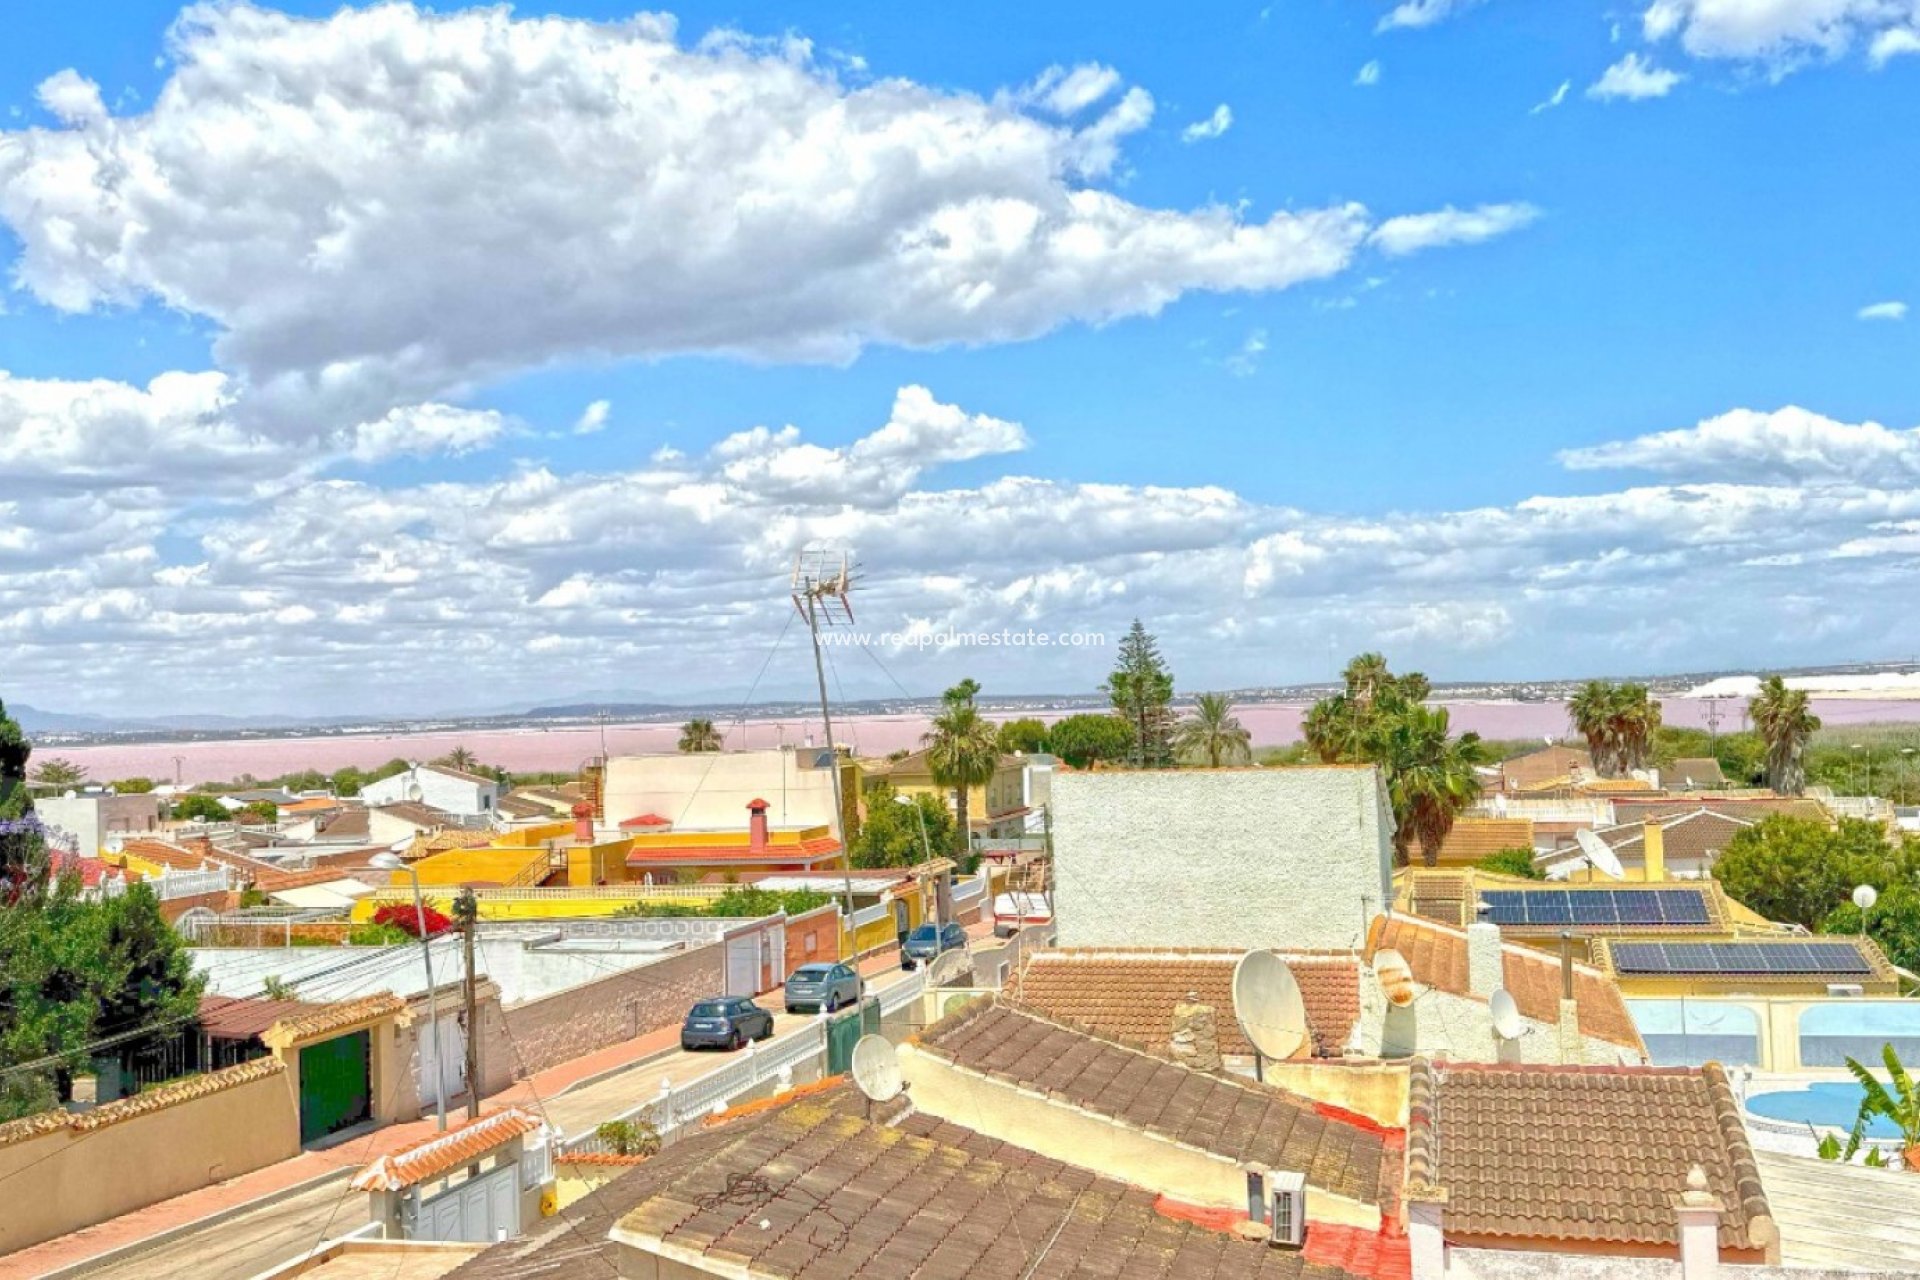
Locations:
{"points": [[592, 1016], [1220, 857]]}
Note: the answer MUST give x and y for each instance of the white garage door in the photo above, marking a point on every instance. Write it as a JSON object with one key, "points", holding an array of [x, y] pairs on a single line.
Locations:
{"points": [[476, 1212], [743, 965]]}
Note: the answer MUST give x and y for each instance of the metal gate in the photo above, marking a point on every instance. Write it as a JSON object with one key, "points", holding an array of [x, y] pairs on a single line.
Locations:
{"points": [[444, 1064], [743, 965], [844, 1031], [477, 1211], [335, 1089]]}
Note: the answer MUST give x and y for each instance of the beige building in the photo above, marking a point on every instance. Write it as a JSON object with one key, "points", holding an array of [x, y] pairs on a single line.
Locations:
{"points": [[97, 819], [710, 791], [995, 808]]}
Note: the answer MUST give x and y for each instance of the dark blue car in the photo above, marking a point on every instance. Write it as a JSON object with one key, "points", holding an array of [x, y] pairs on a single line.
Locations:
{"points": [[725, 1022]]}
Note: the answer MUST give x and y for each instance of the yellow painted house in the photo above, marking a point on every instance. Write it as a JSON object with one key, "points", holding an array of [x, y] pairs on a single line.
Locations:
{"points": [[994, 808]]}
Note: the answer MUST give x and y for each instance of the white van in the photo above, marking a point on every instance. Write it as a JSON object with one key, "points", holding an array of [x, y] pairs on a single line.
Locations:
{"points": [[1015, 911]]}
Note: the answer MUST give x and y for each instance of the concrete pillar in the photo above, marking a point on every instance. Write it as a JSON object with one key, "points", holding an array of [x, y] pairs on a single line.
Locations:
{"points": [[1568, 1032], [1485, 968], [1426, 1242], [1699, 1211], [1653, 838]]}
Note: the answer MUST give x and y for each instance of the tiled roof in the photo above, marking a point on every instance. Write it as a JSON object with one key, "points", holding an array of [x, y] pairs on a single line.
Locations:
{"points": [[1128, 995], [1696, 833], [344, 824], [815, 1191], [1228, 1115], [32, 1126], [433, 1156], [164, 854], [800, 851], [1542, 766], [334, 1017], [1474, 838], [243, 1018], [1631, 809], [1437, 954], [420, 815], [519, 807], [645, 820], [1594, 1154], [1695, 772], [172, 1095], [457, 838], [1612, 786]]}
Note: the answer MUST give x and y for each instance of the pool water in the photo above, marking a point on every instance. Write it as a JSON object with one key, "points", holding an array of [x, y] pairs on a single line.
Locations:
{"points": [[1834, 1105]]}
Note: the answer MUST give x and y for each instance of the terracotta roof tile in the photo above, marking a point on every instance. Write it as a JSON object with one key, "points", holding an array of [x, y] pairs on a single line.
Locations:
{"points": [[1543, 766], [172, 1095], [1128, 995], [1225, 1114], [1437, 954], [1695, 772], [1472, 839], [243, 1018], [335, 1016], [1563, 1153], [804, 850], [440, 1153]]}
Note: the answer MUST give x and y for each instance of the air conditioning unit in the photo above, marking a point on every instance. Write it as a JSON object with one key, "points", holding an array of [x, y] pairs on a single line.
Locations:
{"points": [[1278, 1198], [1845, 989]]}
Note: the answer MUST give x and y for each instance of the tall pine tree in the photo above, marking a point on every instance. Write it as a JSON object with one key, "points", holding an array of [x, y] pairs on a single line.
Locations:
{"points": [[1141, 688]]}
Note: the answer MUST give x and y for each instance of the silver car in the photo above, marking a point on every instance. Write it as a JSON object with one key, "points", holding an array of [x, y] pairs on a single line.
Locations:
{"points": [[822, 986]]}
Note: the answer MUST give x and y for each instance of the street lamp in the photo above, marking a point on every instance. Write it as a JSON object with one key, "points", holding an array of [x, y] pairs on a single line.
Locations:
{"points": [[926, 847], [392, 862], [1864, 896]]}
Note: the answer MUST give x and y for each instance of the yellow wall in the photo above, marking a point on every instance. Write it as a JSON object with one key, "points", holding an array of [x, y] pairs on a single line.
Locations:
{"points": [[1377, 1091], [538, 904], [82, 1176], [460, 866]]}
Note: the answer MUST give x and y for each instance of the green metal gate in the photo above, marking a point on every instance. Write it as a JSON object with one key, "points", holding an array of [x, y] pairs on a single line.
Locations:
{"points": [[844, 1031], [335, 1091]]}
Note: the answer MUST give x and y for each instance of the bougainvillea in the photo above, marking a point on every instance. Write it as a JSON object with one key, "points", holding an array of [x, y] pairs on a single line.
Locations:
{"points": [[407, 917]]}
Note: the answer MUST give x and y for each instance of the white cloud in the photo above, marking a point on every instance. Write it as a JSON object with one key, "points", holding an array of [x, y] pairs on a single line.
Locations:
{"points": [[630, 198], [1411, 233], [1068, 92], [1368, 74], [1786, 445], [1883, 311], [593, 418], [1245, 361], [73, 98], [1422, 13], [426, 429], [1212, 127], [1633, 78], [1783, 34], [1552, 100]]}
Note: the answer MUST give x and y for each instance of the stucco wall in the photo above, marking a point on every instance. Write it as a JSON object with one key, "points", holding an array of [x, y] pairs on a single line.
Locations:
{"points": [[74, 1177], [619, 1007], [812, 938], [1219, 858], [1376, 1090], [710, 791]]}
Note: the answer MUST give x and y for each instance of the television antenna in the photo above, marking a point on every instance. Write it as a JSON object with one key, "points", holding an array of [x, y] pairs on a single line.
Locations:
{"points": [[876, 1070], [1599, 855], [822, 587], [1269, 1008], [1395, 977], [1506, 1015]]}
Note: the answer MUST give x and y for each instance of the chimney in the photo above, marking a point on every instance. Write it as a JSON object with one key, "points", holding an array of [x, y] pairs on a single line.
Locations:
{"points": [[1484, 966], [1568, 1027], [1196, 1035], [756, 825], [583, 823], [1653, 838], [1699, 1211]]}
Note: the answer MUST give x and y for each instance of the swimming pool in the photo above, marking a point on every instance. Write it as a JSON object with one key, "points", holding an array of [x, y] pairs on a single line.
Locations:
{"points": [[1832, 1105]]}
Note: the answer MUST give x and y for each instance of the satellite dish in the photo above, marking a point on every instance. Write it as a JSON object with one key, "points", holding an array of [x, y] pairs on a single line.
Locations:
{"points": [[1599, 854], [1506, 1015], [1267, 1003], [1395, 976], [876, 1068], [415, 793]]}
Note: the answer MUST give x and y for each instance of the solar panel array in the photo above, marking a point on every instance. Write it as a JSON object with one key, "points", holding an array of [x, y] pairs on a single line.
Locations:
{"points": [[1819, 959], [1597, 908]]}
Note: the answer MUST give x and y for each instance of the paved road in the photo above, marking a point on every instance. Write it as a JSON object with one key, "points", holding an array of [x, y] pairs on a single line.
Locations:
{"points": [[250, 1243]]}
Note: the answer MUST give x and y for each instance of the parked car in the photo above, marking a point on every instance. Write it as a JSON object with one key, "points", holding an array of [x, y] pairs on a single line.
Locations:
{"points": [[725, 1022], [822, 986], [1019, 910], [928, 941]]}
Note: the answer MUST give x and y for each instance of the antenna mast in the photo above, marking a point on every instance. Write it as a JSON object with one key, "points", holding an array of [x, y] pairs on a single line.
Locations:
{"points": [[822, 582]]}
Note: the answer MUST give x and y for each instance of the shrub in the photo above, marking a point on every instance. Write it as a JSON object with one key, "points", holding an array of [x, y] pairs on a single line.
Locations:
{"points": [[406, 918], [1512, 862]]}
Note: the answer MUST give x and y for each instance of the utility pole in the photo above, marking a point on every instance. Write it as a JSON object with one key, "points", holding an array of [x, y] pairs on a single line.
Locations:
{"points": [[820, 592], [466, 909]]}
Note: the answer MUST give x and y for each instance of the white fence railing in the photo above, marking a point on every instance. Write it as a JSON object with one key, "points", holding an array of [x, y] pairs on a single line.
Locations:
{"points": [[170, 884], [680, 1104], [536, 1159]]}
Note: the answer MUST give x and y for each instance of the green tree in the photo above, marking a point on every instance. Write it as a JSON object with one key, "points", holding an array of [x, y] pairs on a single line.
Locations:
{"points": [[1894, 922], [963, 750], [346, 781], [196, 807], [1619, 723], [1026, 736], [1512, 862], [260, 811], [59, 773], [1089, 739], [459, 758], [699, 736], [132, 786], [1786, 724], [15, 751], [890, 836], [1798, 870], [1211, 733], [1141, 689], [635, 1137], [1342, 727], [1430, 776], [1897, 1100]]}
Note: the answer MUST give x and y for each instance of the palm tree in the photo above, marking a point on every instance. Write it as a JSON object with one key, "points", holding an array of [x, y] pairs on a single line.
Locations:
{"points": [[460, 758], [1431, 777], [1366, 677], [1213, 733], [699, 735], [1786, 725], [963, 749], [1331, 729], [1636, 715], [1591, 712]]}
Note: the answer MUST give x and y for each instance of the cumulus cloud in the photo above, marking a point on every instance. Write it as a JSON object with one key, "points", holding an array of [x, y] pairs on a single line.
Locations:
{"points": [[1783, 34], [405, 204], [1633, 79], [1786, 445], [1883, 311], [529, 581], [593, 418], [1212, 127], [1422, 13], [1411, 233]]}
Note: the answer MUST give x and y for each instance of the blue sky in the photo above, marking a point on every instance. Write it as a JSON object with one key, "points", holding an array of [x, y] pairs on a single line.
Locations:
{"points": [[1702, 249]]}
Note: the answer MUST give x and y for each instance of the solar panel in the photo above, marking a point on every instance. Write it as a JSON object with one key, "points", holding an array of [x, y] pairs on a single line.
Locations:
{"points": [[1690, 957], [1594, 907], [1640, 957], [1638, 908], [1506, 906], [1682, 906], [1549, 907], [1741, 959], [1837, 957]]}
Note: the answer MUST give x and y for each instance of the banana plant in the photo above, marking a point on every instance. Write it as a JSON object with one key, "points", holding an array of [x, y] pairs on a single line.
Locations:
{"points": [[1899, 1104]]}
